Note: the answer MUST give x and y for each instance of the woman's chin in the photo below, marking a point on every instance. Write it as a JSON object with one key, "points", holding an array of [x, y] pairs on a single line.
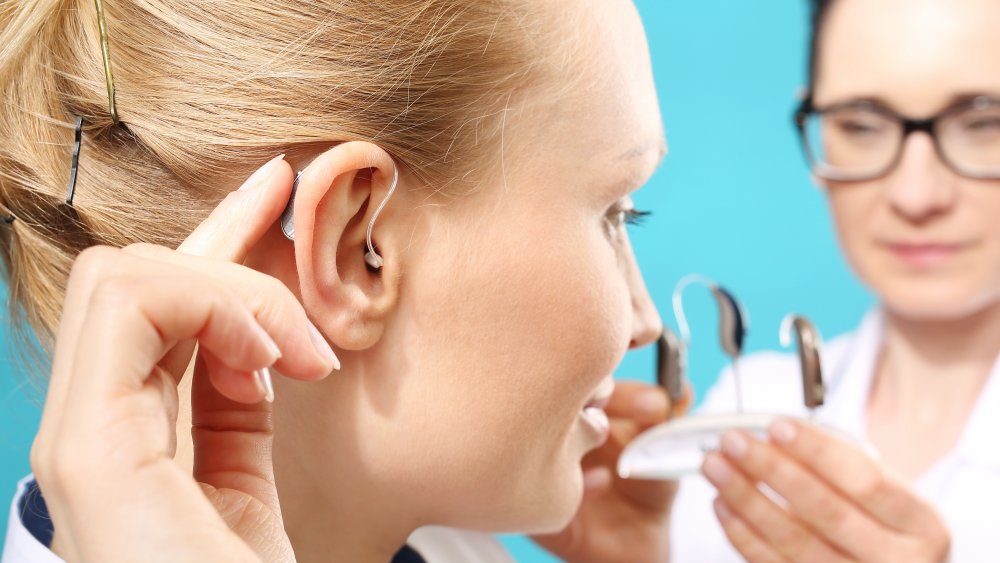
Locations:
{"points": [[546, 506], [937, 307], [945, 299]]}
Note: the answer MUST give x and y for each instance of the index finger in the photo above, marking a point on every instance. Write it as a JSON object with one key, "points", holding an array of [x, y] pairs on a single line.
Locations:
{"points": [[235, 226], [856, 474]]}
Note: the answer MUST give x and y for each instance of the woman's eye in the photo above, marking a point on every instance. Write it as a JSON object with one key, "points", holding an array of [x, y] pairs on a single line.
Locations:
{"points": [[625, 213], [984, 125], [858, 128]]}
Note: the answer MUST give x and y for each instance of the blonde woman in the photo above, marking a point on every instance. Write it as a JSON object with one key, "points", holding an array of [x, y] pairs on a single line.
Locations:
{"points": [[475, 353]]}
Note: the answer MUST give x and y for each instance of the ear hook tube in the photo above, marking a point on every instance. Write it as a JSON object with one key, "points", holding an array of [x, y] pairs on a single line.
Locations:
{"points": [[733, 323], [372, 257], [809, 344]]}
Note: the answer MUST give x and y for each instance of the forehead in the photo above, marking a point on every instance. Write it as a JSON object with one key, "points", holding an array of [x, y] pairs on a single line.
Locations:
{"points": [[915, 54], [600, 100]]}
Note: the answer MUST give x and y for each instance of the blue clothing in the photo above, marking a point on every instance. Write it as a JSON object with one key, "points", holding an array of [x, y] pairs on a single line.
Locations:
{"points": [[34, 517]]}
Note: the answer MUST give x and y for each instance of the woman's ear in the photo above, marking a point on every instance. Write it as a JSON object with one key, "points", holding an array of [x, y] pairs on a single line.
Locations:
{"points": [[335, 201]]}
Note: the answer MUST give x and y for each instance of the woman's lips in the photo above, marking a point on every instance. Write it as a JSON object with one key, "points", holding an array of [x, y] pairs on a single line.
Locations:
{"points": [[925, 255], [596, 423], [592, 415]]}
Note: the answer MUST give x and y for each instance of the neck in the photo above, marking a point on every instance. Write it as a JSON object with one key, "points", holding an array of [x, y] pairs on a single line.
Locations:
{"points": [[332, 510], [935, 363]]}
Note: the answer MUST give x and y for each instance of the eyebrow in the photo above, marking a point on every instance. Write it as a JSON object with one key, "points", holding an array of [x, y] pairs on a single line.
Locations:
{"points": [[955, 99], [639, 151]]}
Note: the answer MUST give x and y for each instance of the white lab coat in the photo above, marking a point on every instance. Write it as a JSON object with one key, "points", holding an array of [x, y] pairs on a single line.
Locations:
{"points": [[964, 485]]}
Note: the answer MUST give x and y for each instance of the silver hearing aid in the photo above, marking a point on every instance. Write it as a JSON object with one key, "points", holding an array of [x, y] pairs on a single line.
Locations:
{"points": [[809, 344], [733, 323], [372, 257]]}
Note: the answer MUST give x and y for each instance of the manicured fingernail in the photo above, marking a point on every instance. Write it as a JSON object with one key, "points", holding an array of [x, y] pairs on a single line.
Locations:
{"points": [[651, 401], [264, 380], [262, 173], [717, 470], [322, 346], [264, 338], [734, 444], [783, 432], [722, 510], [269, 344]]}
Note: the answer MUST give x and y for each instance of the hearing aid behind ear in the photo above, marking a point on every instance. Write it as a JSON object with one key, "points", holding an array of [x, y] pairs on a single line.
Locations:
{"points": [[288, 215], [372, 257], [809, 343]]}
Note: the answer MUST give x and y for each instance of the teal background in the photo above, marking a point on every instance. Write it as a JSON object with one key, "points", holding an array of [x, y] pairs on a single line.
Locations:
{"points": [[732, 201]]}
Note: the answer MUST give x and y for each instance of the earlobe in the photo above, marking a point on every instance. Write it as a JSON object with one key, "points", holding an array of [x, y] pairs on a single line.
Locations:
{"points": [[348, 276]]}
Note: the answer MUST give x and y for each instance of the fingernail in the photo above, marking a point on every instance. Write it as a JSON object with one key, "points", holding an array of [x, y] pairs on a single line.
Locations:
{"points": [[734, 444], [264, 381], [651, 401], [717, 470], [269, 344], [262, 173], [722, 510], [322, 346], [783, 432]]}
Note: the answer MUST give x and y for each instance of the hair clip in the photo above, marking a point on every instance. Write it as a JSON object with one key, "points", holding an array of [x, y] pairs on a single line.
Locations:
{"points": [[109, 78], [372, 257], [75, 162]]}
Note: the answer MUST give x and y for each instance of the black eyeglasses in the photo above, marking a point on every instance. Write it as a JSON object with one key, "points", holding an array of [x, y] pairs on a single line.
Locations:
{"points": [[863, 140]]}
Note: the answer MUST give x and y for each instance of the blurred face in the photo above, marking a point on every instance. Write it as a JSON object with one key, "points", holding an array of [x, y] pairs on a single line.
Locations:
{"points": [[517, 302], [924, 238]]}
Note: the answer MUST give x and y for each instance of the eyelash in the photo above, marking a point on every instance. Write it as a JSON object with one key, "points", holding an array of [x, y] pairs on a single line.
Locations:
{"points": [[619, 216], [635, 217]]}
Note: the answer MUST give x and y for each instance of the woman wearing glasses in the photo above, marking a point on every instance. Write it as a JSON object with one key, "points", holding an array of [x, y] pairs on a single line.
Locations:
{"points": [[901, 126]]}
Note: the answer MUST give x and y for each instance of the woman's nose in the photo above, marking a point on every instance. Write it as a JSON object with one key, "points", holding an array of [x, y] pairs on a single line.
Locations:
{"points": [[921, 186], [646, 323]]}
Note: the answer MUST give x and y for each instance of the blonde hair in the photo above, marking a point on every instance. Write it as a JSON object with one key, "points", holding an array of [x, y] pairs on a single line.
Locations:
{"points": [[207, 91]]}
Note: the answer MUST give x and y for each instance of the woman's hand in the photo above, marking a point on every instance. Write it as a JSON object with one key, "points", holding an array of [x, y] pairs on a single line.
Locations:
{"points": [[841, 504], [103, 454], [622, 520]]}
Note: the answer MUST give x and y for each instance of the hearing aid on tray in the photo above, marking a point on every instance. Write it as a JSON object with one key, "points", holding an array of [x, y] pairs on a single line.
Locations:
{"points": [[677, 448]]}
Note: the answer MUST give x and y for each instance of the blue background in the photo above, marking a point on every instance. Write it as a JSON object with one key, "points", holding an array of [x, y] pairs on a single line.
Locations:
{"points": [[732, 201]]}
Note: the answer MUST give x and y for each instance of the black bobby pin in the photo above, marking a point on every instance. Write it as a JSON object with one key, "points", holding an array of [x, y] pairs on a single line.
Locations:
{"points": [[76, 162]]}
